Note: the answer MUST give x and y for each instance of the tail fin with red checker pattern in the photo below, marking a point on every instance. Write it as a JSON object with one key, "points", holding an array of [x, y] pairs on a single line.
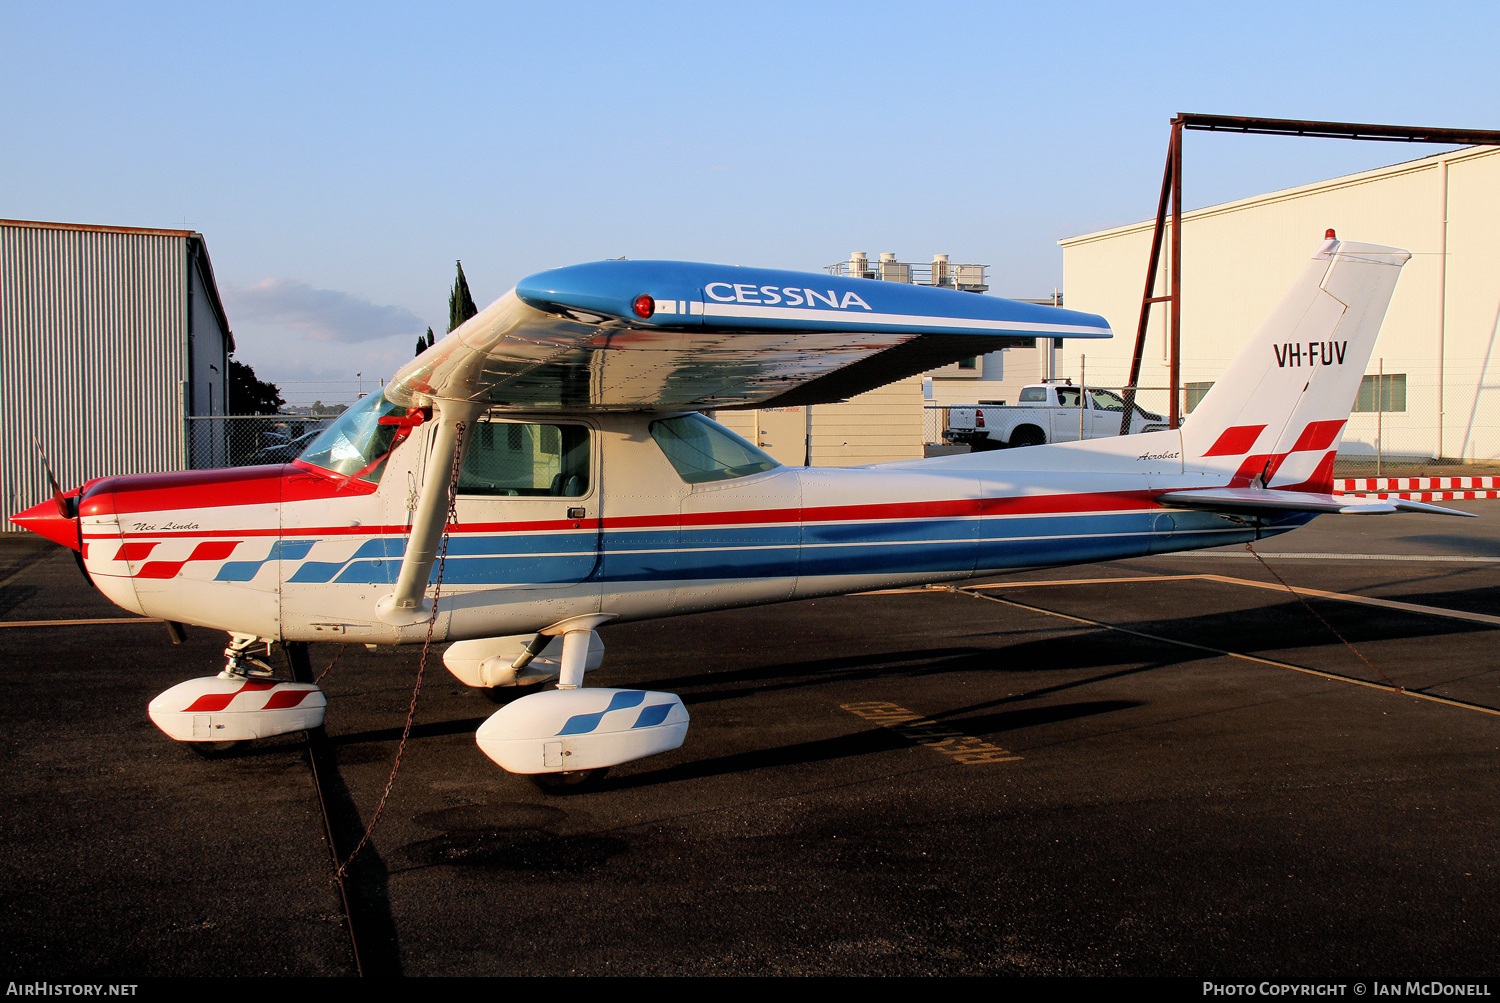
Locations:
{"points": [[1275, 418]]}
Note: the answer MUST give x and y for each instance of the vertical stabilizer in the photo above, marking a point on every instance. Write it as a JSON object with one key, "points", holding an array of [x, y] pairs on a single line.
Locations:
{"points": [[1275, 418]]}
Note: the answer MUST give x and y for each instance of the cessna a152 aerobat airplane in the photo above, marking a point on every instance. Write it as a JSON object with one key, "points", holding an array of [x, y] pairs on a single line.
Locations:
{"points": [[563, 429]]}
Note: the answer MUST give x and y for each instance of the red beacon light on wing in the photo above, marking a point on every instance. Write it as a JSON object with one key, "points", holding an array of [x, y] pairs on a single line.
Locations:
{"points": [[644, 306]]}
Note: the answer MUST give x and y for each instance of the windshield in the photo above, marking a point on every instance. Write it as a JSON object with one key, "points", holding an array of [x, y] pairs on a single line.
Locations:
{"points": [[701, 450], [356, 444]]}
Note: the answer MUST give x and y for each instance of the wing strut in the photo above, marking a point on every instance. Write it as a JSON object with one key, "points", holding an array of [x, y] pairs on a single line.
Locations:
{"points": [[408, 603]]}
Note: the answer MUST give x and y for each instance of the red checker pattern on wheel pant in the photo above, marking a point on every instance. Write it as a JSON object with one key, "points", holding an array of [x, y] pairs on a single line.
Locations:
{"points": [[211, 702], [286, 698]]}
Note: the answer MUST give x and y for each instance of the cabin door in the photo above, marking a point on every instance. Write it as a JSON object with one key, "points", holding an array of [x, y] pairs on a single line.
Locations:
{"points": [[528, 505]]}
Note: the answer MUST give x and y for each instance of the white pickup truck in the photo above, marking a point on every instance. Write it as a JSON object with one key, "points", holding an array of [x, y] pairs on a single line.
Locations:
{"points": [[1046, 412]]}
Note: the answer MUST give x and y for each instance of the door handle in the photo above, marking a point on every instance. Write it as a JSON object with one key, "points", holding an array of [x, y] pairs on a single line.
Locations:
{"points": [[576, 513]]}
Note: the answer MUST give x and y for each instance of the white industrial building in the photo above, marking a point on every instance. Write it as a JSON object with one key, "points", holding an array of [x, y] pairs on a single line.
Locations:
{"points": [[1436, 350], [112, 341]]}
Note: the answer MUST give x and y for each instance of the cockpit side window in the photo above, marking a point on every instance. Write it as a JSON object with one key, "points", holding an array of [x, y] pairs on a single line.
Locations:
{"points": [[701, 450], [515, 459]]}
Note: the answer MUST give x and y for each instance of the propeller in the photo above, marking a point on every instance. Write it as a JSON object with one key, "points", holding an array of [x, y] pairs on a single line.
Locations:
{"points": [[57, 494], [44, 524]]}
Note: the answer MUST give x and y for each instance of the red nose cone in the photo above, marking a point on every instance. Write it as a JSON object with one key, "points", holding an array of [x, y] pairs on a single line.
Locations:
{"points": [[46, 520]]}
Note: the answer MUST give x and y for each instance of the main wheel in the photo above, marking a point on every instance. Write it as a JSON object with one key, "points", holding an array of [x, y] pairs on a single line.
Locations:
{"points": [[570, 781], [218, 750]]}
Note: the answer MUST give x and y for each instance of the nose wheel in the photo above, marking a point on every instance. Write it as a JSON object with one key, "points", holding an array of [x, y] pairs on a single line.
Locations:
{"points": [[218, 750]]}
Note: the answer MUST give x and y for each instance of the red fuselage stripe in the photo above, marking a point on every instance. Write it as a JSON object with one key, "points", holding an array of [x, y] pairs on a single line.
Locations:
{"points": [[951, 508]]}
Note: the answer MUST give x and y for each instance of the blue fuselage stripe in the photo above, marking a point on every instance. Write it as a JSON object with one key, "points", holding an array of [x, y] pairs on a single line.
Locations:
{"points": [[896, 547]]}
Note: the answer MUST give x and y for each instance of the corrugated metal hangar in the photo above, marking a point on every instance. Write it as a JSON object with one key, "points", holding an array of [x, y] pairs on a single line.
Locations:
{"points": [[1435, 361], [111, 339]]}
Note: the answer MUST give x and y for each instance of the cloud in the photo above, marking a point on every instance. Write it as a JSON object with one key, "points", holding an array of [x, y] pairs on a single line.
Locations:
{"points": [[321, 314]]}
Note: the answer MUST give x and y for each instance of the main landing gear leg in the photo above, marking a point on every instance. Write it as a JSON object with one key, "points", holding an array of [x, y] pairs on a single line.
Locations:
{"points": [[577, 633]]}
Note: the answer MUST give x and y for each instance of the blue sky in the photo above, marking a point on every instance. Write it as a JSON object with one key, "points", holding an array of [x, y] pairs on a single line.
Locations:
{"points": [[339, 158]]}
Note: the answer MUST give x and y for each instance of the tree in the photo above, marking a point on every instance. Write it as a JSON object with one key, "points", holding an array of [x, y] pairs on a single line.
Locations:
{"points": [[460, 304], [249, 395], [430, 339], [424, 345]]}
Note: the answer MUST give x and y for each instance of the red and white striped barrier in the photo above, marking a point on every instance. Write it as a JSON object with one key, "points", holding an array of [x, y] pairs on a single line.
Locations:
{"points": [[1419, 488]]}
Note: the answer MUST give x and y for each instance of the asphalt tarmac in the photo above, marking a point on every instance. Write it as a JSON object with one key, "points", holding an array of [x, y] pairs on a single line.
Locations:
{"points": [[928, 782]]}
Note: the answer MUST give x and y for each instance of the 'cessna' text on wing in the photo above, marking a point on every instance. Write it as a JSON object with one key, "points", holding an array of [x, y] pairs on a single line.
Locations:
{"points": [[740, 292]]}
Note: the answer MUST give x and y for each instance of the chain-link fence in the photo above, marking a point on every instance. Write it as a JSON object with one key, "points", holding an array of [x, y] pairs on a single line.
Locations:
{"points": [[236, 440]]}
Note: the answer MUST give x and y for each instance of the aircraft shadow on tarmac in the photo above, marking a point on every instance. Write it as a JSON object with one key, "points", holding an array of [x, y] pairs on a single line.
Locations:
{"points": [[1466, 545], [1280, 626], [1277, 627], [866, 742], [12, 596], [516, 836]]}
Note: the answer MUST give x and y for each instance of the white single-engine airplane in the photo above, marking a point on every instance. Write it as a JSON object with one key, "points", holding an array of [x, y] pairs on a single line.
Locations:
{"points": [[555, 445]]}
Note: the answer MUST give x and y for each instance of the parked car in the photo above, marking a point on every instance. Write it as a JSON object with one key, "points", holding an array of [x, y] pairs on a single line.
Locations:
{"points": [[1047, 412], [287, 451]]}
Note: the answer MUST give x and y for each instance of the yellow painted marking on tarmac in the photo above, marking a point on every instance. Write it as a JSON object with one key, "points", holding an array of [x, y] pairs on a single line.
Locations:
{"points": [[1409, 607], [79, 623], [1090, 581], [1336, 677], [925, 731], [1029, 584]]}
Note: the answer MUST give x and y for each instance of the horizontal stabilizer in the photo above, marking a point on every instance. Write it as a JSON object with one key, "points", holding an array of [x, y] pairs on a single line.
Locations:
{"points": [[1260, 499]]}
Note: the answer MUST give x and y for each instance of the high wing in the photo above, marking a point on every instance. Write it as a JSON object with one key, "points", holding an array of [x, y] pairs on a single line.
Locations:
{"points": [[666, 335]]}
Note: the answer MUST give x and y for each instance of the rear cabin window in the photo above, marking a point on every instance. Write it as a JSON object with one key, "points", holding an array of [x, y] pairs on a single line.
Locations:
{"points": [[511, 459], [701, 450], [1034, 395]]}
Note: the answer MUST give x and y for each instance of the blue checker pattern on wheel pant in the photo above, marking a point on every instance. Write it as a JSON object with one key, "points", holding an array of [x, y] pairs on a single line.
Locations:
{"points": [[582, 724], [652, 716]]}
